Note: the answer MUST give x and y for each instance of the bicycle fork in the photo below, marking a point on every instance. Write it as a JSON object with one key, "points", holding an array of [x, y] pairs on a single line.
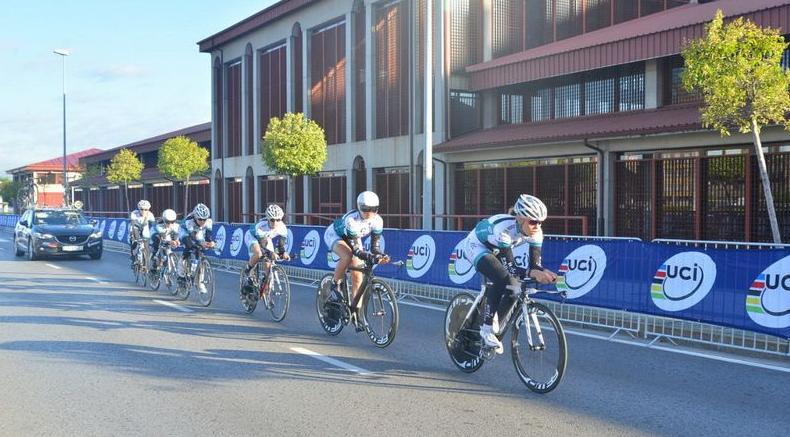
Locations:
{"points": [[531, 315]]}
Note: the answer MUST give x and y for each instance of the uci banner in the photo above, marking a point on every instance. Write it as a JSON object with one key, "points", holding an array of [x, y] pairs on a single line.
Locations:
{"points": [[740, 288]]}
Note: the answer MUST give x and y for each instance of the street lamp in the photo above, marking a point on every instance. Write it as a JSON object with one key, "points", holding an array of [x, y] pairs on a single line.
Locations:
{"points": [[63, 53]]}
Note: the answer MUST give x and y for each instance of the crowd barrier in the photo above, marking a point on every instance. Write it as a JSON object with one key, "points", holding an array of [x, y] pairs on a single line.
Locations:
{"points": [[739, 288]]}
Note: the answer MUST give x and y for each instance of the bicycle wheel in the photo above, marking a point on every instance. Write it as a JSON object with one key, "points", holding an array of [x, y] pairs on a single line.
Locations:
{"points": [[154, 275], [207, 279], [463, 339], [184, 286], [279, 293], [380, 313], [539, 353], [329, 314], [170, 273], [249, 297]]}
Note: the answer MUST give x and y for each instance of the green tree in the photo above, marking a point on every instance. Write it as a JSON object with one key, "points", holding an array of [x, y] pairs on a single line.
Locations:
{"points": [[294, 145], [88, 180], [8, 190], [124, 167], [180, 158], [736, 66]]}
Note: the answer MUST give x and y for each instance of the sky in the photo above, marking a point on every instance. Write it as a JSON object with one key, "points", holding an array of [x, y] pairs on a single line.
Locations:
{"points": [[134, 71]]}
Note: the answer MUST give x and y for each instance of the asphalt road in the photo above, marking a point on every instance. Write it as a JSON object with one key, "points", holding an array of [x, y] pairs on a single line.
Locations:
{"points": [[83, 351]]}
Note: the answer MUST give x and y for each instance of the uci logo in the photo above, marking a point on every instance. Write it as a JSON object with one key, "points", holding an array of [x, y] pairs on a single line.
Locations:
{"points": [[460, 269], [682, 281], [581, 271], [219, 241], [309, 248], [121, 230], [235, 241], [420, 257], [768, 300], [382, 243]]}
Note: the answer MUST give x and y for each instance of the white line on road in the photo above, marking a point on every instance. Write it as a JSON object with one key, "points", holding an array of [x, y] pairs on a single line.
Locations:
{"points": [[53, 266], [174, 305], [91, 278], [3, 240], [332, 361], [3, 249]]}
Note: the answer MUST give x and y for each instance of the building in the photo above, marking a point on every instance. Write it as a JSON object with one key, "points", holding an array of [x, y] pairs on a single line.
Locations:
{"points": [[48, 176], [578, 102], [103, 198]]}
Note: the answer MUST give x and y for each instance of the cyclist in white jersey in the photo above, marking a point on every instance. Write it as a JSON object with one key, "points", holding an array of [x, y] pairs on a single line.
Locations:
{"points": [[139, 221], [266, 231], [344, 238], [500, 234], [198, 231], [166, 231]]}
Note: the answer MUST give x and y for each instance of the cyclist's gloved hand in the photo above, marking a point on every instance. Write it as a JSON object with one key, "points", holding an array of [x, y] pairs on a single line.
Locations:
{"points": [[365, 256]]}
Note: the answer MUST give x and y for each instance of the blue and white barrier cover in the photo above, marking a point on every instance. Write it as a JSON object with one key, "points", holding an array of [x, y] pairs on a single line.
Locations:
{"points": [[740, 288]]}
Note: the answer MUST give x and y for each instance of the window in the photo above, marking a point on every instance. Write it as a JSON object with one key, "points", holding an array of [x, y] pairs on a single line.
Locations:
{"points": [[540, 105], [599, 95], [233, 113], [272, 84], [466, 37], [674, 92], [507, 26], [632, 88], [328, 80], [511, 109], [566, 101], [464, 112], [568, 15], [598, 14], [392, 70], [360, 113]]}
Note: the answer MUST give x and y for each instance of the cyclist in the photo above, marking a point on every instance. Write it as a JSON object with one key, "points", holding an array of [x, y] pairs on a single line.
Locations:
{"points": [[165, 231], [501, 233], [344, 238], [139, 221], [266, 231], [198, 230]]}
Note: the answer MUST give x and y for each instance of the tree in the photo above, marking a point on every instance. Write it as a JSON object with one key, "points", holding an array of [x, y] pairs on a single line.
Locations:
{"points": [[737, 68], [124, 167], [181, 158], [8, 189], [88, 179], [294, 145]]}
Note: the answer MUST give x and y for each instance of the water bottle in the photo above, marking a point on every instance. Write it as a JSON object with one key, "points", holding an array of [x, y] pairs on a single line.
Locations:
{"points": [[193, 266]]}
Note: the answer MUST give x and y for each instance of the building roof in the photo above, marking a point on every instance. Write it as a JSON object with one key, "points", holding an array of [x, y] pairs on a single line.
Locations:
{"points": [[652, 36], [249, 24], [198, 132], [664, 120], [56, 164]]}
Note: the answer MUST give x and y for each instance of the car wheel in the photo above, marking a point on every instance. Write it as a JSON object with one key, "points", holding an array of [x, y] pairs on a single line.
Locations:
{"points": [[31, 253], [96, 255], [14, 242]]}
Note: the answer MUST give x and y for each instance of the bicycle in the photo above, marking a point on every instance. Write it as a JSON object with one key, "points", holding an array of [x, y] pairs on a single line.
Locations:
{"points": [[200, 269], [163, 267], [540, 364], [273, 287], [26, 196], [375, 298], [139, 262]]}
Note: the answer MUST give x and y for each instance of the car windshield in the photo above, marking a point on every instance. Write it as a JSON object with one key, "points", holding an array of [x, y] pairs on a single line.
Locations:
{"points": [[59, 218]]}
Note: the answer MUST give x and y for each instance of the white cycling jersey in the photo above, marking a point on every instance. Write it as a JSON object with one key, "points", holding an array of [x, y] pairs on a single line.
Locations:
{"points": [[200, 232], [353, 227], [168, 232], [142, 219], [500, 231], [265, 232]]}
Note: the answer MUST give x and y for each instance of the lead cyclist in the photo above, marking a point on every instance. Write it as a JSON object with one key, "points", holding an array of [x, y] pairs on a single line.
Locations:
{"points": [[501, 233]]}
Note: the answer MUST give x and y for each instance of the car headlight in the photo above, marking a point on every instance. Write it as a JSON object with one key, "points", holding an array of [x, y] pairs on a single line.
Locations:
{"points": [[96, 234], [41, 236]]}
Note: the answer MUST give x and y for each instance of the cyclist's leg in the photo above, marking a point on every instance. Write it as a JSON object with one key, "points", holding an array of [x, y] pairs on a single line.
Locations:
{"points": [[343, 251], [255, 253], [188, 244], [154, 245], [135, 234], [490, 267]]}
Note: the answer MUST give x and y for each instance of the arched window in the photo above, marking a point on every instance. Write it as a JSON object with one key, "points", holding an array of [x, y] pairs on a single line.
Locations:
{"points": [[218, 209], [250, 187]]}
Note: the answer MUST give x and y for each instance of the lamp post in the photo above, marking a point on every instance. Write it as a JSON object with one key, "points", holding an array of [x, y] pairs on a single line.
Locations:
{"points": [[63, 53]]}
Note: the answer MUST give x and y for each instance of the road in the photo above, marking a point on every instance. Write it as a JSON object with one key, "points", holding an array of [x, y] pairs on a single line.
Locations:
{"points": [[83, 351]]}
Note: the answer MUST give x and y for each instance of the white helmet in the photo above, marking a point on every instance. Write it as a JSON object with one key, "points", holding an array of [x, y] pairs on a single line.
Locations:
{"points": [[274, 212], [530, 207], [169, 216], [143, 204], [367, 201], [201, 211]]}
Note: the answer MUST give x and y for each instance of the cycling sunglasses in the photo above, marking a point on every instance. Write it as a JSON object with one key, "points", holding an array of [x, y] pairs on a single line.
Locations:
{"points": [[275, 220], [535, 222], [369, 209]]}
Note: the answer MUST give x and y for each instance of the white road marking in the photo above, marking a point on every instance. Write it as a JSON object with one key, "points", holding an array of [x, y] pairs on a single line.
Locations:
{"points": [[3, 240], [174, 305], [332, 361], [53, 266], [3, 249], [91, 278]]}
